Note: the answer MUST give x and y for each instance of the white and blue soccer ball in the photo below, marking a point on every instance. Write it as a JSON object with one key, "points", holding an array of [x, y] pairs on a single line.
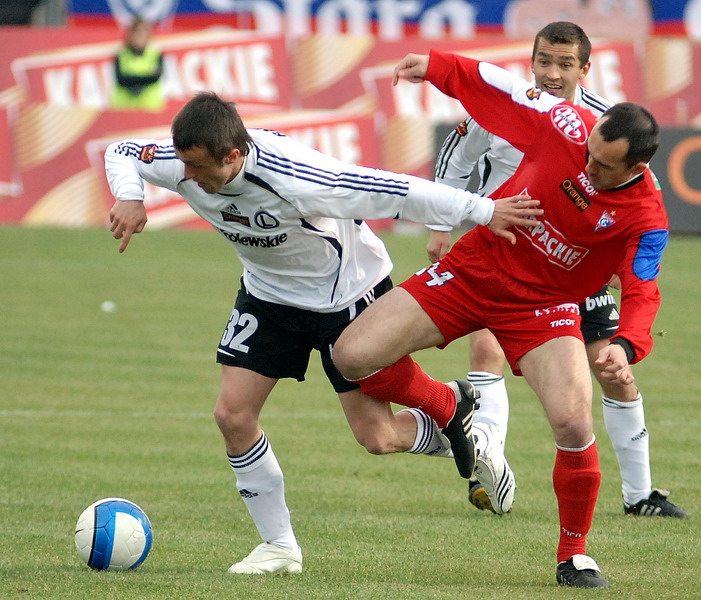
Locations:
{"points": [[113, 534]]}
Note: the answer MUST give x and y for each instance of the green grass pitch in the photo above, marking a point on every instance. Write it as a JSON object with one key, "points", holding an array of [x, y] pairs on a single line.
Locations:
{"points": [[96, 404]]}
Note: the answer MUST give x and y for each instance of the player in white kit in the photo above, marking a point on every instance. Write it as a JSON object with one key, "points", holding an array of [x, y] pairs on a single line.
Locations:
{"points": [[311, 264]]}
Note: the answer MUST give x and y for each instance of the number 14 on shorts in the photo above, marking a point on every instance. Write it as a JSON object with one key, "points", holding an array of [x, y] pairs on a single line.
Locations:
{"points": [[436, 277]]}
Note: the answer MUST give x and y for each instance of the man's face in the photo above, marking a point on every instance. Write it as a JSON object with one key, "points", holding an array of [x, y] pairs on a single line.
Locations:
{"points": [[210, 174], [606, 165], [557, 69], [139, 37]]}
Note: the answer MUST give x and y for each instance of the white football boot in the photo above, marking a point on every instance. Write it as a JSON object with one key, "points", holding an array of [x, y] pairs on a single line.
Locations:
{"points": [[492, 470], [268, 559]]}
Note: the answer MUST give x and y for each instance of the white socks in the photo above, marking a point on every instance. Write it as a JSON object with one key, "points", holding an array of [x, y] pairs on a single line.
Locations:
{"points": [[429, 438], [482, 433], [494, 401], [261, 485], [625, 424], [494, 409]]}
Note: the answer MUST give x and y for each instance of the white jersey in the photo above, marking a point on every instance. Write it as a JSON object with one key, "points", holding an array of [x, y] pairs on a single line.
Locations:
{"points": [[294, 215], [471, 145]]}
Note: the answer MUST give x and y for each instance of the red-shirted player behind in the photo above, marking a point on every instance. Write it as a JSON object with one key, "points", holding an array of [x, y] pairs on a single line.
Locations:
{"points": [[603, 214]]}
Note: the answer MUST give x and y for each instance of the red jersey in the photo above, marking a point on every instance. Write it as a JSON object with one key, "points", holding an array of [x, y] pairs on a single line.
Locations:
{"points": [[586, 235]]}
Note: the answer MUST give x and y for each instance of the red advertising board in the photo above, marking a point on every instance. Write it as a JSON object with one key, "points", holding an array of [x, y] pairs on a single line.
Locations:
{"points": [[243, 66], [334, 94]]}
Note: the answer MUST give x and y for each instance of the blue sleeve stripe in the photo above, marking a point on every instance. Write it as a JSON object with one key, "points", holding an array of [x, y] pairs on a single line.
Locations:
{"points": [[284, 165], [313, 174], [646, 264], [133, 149], [338, 182], [598, 103], [128, 149]]}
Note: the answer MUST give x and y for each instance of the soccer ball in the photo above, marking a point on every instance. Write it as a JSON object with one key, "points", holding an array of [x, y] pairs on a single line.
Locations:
{"points": [[113, 534]]}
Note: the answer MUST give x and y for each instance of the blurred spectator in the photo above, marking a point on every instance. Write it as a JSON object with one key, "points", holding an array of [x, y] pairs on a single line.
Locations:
{"points": [[600, 18], [138, 69], [17, 12]]}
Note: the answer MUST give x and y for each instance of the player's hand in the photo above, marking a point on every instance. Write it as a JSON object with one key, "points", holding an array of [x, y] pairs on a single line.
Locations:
{"points": [[615, 282], [438, 245], [126, 218], [612, 363], [412, 67], [517, 210]]}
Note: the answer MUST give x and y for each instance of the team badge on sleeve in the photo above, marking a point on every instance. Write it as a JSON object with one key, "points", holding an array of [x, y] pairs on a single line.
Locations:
{"points": [[147, 154]]}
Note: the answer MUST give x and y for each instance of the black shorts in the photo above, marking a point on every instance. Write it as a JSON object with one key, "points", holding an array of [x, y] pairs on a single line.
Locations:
{"points": [[599, 316], [276, 340]]}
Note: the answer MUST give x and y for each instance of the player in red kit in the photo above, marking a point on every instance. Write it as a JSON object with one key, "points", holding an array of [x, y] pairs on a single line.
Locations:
{"points": [[603, 215]]}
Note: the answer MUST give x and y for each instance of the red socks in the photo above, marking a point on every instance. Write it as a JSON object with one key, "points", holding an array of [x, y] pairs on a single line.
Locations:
{"points": [[576, 479], [576, 474], [405, 383]]}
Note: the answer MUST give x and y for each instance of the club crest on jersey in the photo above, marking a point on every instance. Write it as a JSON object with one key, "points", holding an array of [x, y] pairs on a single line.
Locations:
{"points": [[231, 214], [265, 220], [605, 220], [568, 122], [147, 154], [556, 247]]}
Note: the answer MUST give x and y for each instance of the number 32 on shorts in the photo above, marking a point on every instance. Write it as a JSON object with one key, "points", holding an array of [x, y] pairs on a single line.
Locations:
{"points": [[240, 328], [436, 277]]}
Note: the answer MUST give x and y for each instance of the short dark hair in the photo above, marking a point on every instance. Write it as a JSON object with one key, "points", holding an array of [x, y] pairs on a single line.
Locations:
{"points": [[137, 22], [637, 125], [212, 123], [564, 32]]}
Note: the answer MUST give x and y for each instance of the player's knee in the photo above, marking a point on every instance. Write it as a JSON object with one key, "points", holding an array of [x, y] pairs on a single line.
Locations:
{"points": [[572, 432], [348, 360], [233, 423], [221, 414]]}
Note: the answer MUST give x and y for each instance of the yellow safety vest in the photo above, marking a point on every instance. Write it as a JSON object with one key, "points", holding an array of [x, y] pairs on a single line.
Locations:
{"points": [[150, 97]]}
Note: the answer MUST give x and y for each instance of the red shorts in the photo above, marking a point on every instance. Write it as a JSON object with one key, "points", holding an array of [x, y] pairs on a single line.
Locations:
{"points": [[461, 299]]}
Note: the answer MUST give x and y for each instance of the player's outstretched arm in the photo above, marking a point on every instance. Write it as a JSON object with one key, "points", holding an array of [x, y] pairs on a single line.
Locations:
{"points": [[412, 68], [126, 218], [517, 210]]}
